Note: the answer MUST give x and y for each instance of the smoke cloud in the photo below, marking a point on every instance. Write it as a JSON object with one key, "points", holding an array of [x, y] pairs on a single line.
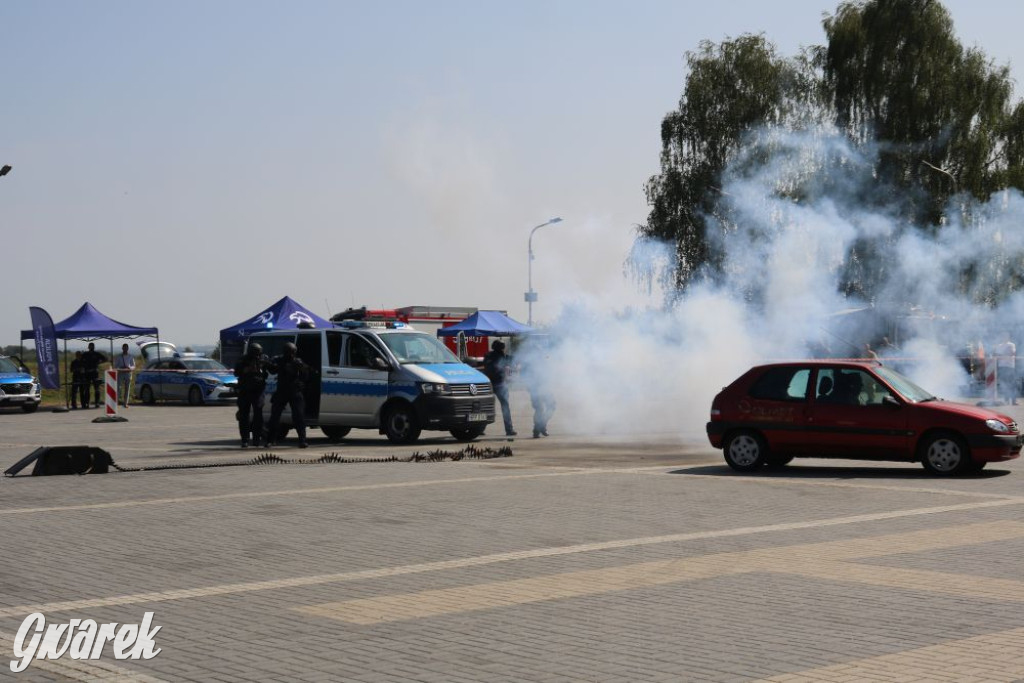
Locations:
{"points": [[793, 205]]}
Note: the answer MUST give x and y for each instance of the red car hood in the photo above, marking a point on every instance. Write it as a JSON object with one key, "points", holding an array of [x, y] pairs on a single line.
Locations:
{"points": [[966, 410]]}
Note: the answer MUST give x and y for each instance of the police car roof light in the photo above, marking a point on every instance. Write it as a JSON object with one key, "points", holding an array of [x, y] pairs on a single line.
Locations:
{"points": [[351, 324]]}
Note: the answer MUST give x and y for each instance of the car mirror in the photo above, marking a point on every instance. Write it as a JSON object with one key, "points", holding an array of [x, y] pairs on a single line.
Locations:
{"points": [[890, 400], [380, 364]]}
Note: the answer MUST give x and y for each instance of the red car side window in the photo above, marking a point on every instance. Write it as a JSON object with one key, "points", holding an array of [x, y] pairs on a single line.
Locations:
{"points": [[786, 383]]}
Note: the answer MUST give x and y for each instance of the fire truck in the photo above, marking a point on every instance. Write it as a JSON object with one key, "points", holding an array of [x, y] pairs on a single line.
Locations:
{"points": [[428, 319]]}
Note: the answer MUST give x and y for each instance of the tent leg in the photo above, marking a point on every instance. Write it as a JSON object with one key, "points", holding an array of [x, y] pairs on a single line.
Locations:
{"points": [[67, 396]]}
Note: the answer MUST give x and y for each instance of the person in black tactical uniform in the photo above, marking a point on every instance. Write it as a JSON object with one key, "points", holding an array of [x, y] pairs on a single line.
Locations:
{"points": [[79, 383], [496, 366], [291, 380], [91, 360], [251, 371]]}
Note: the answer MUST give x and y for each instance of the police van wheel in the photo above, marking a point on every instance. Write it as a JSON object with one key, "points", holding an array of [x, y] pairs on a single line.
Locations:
{"points": [[30, 407], [334, 434], [400, 425], [469, 433], [146, 394], [195, 396]]}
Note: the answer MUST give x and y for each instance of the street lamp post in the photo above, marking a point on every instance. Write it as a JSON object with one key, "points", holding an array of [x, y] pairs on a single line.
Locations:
{"points": [[531, 295]]}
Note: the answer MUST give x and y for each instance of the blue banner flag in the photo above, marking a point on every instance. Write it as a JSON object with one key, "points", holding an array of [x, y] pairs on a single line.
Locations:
{"points": [[46, 348]]}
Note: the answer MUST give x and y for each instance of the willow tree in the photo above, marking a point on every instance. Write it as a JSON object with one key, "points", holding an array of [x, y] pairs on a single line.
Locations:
{"points": [[891, 74], [896, 74], [733, 88]]}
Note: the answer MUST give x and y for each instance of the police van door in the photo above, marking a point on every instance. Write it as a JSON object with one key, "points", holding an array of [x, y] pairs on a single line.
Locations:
{"points": [[310, 352], [353, 390]]}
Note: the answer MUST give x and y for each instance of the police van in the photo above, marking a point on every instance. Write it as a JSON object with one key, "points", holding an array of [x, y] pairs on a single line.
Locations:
{"points": [[392, 378]]}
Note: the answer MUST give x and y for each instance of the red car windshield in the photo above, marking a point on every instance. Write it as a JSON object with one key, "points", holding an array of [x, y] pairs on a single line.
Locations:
{"points": [[904, 386]]}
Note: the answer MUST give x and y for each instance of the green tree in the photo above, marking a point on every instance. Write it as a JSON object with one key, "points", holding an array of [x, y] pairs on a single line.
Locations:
{"points": [[892, 73], [895, 73], [733, 88]]}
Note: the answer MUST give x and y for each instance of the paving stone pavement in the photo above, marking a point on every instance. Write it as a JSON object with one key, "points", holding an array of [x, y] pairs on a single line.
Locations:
{"points": [[579, 558]]}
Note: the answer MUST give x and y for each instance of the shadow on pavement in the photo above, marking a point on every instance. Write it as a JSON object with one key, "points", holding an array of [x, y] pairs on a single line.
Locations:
{"points": [[913, 471]]}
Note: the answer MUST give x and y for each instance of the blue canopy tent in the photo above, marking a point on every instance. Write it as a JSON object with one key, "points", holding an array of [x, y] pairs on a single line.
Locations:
{"points": [[486, 324], [286, 313], [89, 324]]}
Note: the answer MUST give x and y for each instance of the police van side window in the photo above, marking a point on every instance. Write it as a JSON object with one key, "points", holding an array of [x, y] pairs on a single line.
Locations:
{"points": [[782, 384], [360, 353], [334, 343], [273, 345]]}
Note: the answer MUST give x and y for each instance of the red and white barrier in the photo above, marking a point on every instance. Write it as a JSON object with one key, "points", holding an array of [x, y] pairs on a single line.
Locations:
{"points": [[992, 377], [111, 394]]}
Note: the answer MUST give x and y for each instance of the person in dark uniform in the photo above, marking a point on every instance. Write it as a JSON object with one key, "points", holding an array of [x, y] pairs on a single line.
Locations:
{"points": [[251, 371], [79, 384], [92, 360], [541, 397], [292, 374], [496, 367]]}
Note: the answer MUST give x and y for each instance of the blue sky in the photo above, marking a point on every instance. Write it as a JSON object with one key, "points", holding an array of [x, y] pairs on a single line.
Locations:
{"points": [[185, 164]]}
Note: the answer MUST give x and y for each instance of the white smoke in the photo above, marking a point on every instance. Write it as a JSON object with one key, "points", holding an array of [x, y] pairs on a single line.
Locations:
{"points": [[793, 206]]}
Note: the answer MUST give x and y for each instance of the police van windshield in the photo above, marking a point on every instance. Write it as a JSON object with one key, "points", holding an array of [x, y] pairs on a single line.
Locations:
{"points": [[417, 348]]}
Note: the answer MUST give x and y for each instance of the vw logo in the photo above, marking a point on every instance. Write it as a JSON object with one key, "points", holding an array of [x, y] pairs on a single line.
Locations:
{"points": [[472, 389]]}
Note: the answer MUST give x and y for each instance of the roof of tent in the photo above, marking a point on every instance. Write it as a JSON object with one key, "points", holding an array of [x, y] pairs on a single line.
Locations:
{"points": [[89, 323], [486, 324], [286, 313]]}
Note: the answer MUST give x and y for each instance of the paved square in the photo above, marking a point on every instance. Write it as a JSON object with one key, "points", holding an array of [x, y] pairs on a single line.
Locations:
{"points": [[596, 558]]}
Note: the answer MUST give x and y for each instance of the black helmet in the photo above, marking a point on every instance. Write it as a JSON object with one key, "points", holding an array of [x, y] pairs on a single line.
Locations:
{"points": [[255, 350], [497, 345], [290, 349]]}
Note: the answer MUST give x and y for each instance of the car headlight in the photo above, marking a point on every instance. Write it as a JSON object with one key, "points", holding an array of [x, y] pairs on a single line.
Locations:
{"points": [[431, 388], [997, 426], [211, 382]]}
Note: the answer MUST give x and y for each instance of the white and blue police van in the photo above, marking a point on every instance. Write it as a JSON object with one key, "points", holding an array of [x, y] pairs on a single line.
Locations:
{"points": [[391, 378]]}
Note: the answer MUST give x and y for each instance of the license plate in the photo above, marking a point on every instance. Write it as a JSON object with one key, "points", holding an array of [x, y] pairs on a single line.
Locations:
{"points": [[477, 417]]}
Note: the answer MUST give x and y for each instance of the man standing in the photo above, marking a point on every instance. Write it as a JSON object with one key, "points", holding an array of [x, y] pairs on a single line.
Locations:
{"points": [[541, 398], [291, 381], [251, 371], [91, 360], [496, 369], [1006, 366], [125, 365], [79, 384]]}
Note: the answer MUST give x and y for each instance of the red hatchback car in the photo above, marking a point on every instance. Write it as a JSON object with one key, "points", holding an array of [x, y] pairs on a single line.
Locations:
{"points": [[863, 411]]}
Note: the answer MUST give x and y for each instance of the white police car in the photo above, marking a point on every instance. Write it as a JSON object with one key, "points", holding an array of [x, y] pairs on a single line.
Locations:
{"points": [[188, 377], [17, 386]]}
